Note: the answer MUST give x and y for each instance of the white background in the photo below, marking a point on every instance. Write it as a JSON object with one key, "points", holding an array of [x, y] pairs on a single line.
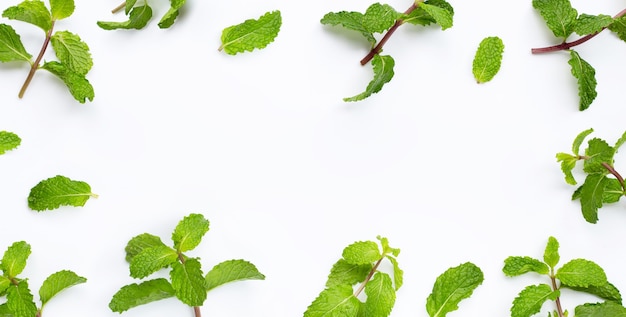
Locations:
{"points": [[288, 174]]}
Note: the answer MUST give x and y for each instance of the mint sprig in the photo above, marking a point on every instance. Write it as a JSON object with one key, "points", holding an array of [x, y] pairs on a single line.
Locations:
{"points": [[251, 34], [147, 254], [74, 58], [578, 274], [8, 141], [564, 20], [58, 191], [139, 14], [383, 19], [603, 184], [19, 299]]}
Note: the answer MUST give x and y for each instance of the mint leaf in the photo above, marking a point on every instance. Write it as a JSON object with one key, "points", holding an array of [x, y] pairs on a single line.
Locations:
{"points": [[586, 76], [381, 296], [362, 252], [188, 282], [61, 9], [440, 15], [590, 24], [140, 243], [59, 191], [551, 254], [138, 17], [487, 59], [598, 152], [578, 141], [346, 273], [230, 271], [422, 17], [11, 47], [251, 34], [337, 301], [20, 300], [518, 265], [530, 300], [57, 282], [72, 52], [600, 310], [170, 16], [581, 273], [451, 287], [134, 295], [592, 196], [619, 27], [606, 291], [79, 86], [189, 232], [613, 191], [351, 21], [151, 260], [383, 72], [384, 242], [568, 163], [398, 274], [558, 14], [379, 18], [14, 259], [33, 12], [8, 141]]}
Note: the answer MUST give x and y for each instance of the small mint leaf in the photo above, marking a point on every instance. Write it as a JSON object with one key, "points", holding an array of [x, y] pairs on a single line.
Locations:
{"points": [[529, 301], [151, 260], [578, 141], [551, 255], [440, 15], [398, 274], [384, 242], [581, 273], [14, 259], [381, 295], [140, 243], [33, 12], [231, 271], [518, 265], [589, 24], [20, 300], [189, 232], [72, 52], [138, 18], [383, 73], [591, 196], [568, 163], [559, 16], [58, 191], [188, 283], [586, 77], [345, 273], [8, 141], [487, 59], [61, 9], [251, 34], [134, 295], [379, 17], [78, 85], [362, 252], [600, 309], [337, 301], [451, 287], [57, 282], [11, 47]]}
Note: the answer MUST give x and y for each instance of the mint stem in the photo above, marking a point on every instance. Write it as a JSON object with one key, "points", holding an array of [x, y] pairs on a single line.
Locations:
{"points": [[379, 47], [615, 173], [119, 8], [35, 65], [567, 45], [559, 309], [196, 311], [368, 278]]}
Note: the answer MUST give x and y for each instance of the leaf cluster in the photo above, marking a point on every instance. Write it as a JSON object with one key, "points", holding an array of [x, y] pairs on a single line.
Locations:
{"points": [[74, 58], [578, 275], [382, 18], [563, 21], [147, 254], [603, 184], [139, 13], [19, 298]]}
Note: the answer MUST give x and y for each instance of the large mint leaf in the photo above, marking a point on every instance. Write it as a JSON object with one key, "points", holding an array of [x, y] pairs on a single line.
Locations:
{"points": [[230, 271], [529, 301], [14, 259], [188, 282], [488, 59], [591, 196], [8, 141], [34, 12], [337, 301], [61, 9], [57, 282], [350, 20], [133, 295], [381, 296], [379, 17], [362, 252], [138, 17], [589, 24], [72, 52], [59, 191], [151, 260], [559, 16], [11, 47], [586, 78], [383, 73], [251, 34], [78, 85], [581, 273], [141, 242], [346, 273], [451, 287], [189, 232]]}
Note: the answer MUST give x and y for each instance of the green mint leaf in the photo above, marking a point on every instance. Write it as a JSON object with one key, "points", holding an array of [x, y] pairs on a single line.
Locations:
{"points": [[134, 295], [568, 163], [170, 16], [20, 300], [383, 73], [151, 260], [8, 141], [34, 12], [72, 52], [551, 255], [420, 16], [589, 24], [140, 243], [188, 282], [398, 274], [379, 17], [607, 291], [591, 196], [581, 273], [79, 86], [618, 27], [350, 20], [14, 259], [346, 273], [230, 271], [251, 34], [586, 77], [138, 18], [619, 142], [337, 301], [381, 296], [518, 265], [57, 282], [598, 152], [4, 284], [11, 47], [61, 9], [129, 5], [189, 232], [384, 242], [559, 16], [362, 252], [613, 191], [59, 191], [578, 141], [600, 310], [487, 59], [529, 301], [440, 15], [451, 287]]}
